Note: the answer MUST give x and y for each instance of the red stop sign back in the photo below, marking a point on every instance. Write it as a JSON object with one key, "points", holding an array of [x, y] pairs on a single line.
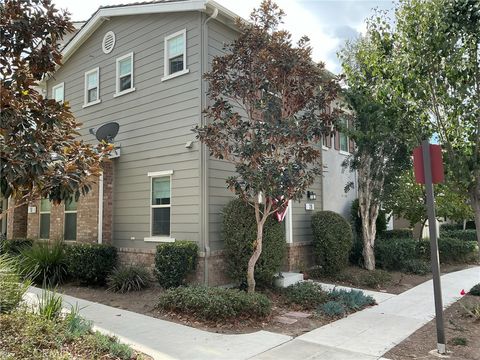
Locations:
{"points": [[436, 160]]}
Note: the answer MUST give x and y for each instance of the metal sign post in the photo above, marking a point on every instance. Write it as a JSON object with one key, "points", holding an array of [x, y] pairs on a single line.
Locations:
{"points": [[432, 227]]}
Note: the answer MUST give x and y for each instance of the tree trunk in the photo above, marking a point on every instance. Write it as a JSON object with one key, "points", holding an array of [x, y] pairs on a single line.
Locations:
{"points": [[475, 199], [369, 230], [257, 251]]}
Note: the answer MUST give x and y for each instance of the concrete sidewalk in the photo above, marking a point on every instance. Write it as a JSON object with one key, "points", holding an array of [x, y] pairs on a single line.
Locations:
{"points": [[368, 334], [365, 335]]}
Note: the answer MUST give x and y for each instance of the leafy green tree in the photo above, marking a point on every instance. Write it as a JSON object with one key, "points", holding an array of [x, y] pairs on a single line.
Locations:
{"points": [[266, 95], [438, 52], [380, 128], [40, 155]]}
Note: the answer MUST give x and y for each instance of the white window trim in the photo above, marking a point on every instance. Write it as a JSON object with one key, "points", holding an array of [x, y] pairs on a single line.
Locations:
{"points": [[65, 211], [61, 85], [152, 175], [86, 103], [40, 212], [166, 75], [117, 81]]}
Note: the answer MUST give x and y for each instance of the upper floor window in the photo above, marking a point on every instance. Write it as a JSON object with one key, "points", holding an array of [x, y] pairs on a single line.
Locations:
{"points": [[58, 92], [343, 138], [92, 91], [175, 54], [124, 74]]}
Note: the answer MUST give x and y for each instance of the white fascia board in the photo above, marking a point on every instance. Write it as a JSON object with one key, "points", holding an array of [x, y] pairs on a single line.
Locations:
{"points": [[103, 14]]}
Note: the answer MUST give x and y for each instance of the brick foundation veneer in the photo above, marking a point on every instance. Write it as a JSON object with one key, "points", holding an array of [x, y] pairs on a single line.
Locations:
{"points": [[299, 256], [17, 221], [146, 258]]}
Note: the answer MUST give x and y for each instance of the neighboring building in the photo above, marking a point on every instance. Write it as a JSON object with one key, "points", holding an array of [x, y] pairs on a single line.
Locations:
{"points": [[141, 65]]}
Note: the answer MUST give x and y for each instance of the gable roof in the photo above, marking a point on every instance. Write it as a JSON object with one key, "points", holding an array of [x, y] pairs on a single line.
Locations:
{"points": [[141, 8]]}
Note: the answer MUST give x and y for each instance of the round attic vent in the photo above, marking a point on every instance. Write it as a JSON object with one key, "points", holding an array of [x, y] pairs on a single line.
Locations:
{"points": [[108, 42]]}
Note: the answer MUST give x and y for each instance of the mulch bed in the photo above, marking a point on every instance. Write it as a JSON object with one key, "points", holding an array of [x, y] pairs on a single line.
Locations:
{"points": [[461, 330]]}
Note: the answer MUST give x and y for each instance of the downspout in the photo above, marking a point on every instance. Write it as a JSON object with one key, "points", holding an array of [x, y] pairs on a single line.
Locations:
{"points": [[100, 209], [204, 154]]}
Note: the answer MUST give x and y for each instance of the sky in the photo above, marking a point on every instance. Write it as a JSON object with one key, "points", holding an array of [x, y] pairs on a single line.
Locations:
{"points": [[328, 23]]}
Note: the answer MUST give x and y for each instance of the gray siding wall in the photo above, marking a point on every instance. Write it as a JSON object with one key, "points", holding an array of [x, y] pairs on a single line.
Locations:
{"points": [[155, 120], [219, 170], [334, 181]]}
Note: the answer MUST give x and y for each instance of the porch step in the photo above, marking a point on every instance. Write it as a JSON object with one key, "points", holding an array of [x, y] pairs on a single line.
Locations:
{"points": [[288, 278]]}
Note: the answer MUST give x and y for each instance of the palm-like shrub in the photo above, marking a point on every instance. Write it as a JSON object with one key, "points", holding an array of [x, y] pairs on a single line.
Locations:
{"points": [[12, 287], [130, 278], [44, 263]]}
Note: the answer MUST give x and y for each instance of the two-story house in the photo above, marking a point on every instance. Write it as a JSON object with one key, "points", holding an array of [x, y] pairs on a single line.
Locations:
{"points": [[140, 65]]}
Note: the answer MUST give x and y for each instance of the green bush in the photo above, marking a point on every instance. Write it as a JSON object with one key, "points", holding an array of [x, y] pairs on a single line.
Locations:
{"points": [[397, 234], [14, 246], [44, 263], [392, 254], [334, 308], [214, 304], [451, 250], [448, 227], [417, 267], [332, 241], [129, 278], [352, 299], [12, 288], [174, 261], [475, 290], [90, 263], [306, 294], [465, 235], [239, 234], [374, 279]]}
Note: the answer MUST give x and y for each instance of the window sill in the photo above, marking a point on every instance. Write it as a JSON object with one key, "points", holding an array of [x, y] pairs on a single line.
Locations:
{"points": [[92, 103], [124, 92], [346, 153], [159, 239], [174, 75]]}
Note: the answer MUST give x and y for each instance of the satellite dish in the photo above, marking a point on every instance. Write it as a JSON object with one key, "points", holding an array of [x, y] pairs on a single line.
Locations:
{"points": [[107, 132]]}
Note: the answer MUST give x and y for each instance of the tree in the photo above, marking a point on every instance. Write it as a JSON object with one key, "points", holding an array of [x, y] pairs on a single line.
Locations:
{"points": [[380, 123], [439, 63], [266, 95], [408, 200], [40, 155]]}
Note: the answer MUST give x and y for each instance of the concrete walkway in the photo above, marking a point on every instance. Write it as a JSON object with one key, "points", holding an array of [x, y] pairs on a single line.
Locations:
{"points": [[365, 335], [368, 334]]}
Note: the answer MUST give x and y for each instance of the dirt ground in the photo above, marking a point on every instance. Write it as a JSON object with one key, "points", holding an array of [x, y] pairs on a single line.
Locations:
{"points": [[462, 334], [144, 302], [399, 283]]}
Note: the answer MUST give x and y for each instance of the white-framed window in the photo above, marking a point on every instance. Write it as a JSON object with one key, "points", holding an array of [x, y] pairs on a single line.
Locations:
{"points": [[160, 206], [92, 88], [343, 138], [175, 55], [124, 79], [45, 210], [70, 223], [58, 92]]}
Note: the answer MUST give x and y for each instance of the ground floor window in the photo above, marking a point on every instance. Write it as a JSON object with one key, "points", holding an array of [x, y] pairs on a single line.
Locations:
{"points": [[160, 206], [70, 226], [45, 209]]}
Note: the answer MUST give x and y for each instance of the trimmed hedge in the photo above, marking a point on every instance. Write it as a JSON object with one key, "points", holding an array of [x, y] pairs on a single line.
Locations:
{"points": [[90, 263], [307, 295], [174, 261], [14, 246], [215, 304], [448, 227], [450, 250], [392, 254], [397, 234], [332, 241], [465, 235], [239, 234]]}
